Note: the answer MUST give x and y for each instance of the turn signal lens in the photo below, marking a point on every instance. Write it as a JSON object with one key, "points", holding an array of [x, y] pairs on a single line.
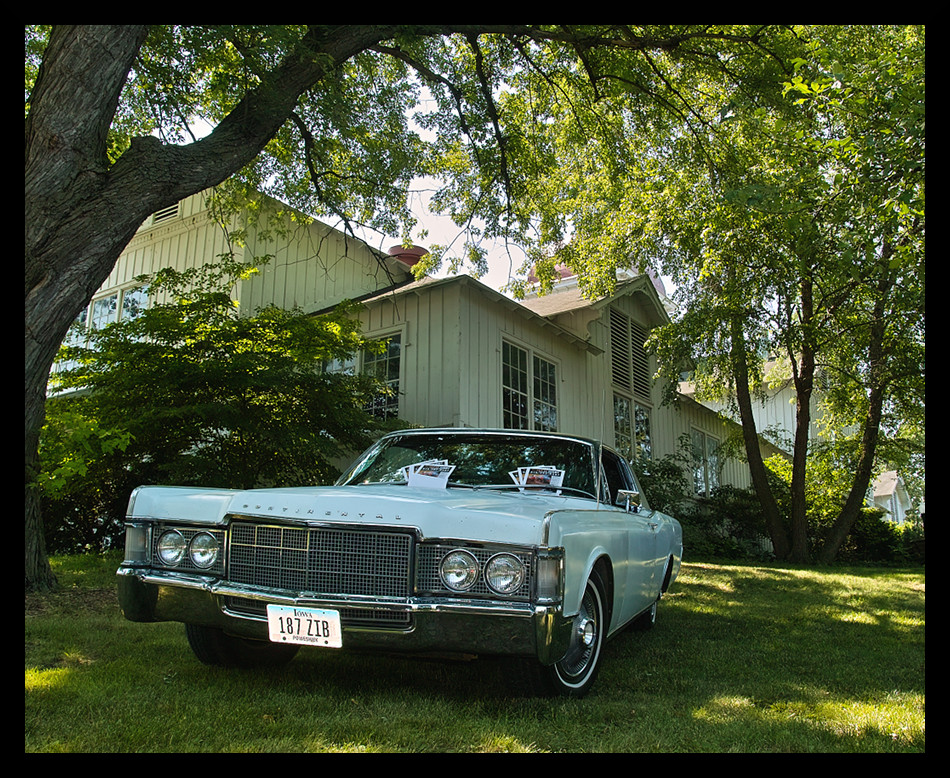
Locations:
{"points": [[136, 544]]}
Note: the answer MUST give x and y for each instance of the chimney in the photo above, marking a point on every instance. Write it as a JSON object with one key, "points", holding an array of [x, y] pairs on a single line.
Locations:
{"points": [[408, 255]]}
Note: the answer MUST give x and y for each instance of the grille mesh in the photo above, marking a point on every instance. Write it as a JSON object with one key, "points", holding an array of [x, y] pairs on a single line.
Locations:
{"points": [[321, 560]]}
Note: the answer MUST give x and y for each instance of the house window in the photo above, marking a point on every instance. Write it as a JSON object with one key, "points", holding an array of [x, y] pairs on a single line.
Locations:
{"points": [[545, 395], [629, 363], [384, 367], [632, 436], [124, 305], [528, 390], [705, 463]]}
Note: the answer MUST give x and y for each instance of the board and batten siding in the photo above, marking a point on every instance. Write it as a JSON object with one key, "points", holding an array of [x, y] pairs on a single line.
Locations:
{"points": [[311, 266], [428, 325], [180, 237]]}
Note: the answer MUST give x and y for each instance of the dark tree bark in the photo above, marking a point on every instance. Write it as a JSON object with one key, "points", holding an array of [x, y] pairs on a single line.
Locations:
{"points": [[770, 509], [804, 377], [81, 212], [878, 391]]}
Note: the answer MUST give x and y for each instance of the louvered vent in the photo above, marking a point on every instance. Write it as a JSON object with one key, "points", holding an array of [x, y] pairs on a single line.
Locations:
{"points": [[620, 349], [629, 363], [165, 214], [641, 364]]}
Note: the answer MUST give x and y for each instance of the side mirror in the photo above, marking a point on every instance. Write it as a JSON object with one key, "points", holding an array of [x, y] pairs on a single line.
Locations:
{"points": [[629, 500]]}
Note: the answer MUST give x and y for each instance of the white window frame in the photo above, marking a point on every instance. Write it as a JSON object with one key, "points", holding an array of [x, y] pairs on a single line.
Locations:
{"points": [[706, 461], [361, 363], [385, 406], [633, 424], [88, 321], [532, 399]]}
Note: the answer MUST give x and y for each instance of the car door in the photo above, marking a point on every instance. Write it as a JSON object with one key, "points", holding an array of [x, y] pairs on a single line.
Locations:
{"points": [[641, 584]]}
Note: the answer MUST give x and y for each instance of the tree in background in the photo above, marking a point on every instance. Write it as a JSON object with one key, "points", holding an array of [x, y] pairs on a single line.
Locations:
{"points": [[787, 205], [796, 235], [332, 119], [572, 143], [192, 391]]}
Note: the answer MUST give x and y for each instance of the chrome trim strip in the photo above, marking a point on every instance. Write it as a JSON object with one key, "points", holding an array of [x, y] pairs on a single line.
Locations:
{"points": [[412, 604]]}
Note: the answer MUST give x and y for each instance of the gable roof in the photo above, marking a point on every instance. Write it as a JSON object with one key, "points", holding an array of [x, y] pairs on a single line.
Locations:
{"points": [[427, 284], [571, 298]]}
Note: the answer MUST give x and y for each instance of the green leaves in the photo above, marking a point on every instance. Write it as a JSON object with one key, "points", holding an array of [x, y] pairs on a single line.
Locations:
{"points": [[206, 396]]}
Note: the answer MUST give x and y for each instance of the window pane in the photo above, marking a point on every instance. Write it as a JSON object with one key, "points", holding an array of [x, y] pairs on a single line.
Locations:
{"points": [[644, 437], [545, 395], [623, 426], [384, 367], [699, 465], [514, 390], [134, 301], [104, 311]]}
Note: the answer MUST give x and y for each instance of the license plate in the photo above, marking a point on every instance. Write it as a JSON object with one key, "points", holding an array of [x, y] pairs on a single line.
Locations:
{"points": [[304, 626]]}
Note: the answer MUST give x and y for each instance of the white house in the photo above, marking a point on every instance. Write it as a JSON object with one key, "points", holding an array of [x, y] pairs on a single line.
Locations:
{"points": [[891, 496], [460, 353]]}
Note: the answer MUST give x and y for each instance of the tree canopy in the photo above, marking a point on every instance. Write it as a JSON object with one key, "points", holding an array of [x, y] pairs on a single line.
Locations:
{"points": [[548, 138], [191, 391]]}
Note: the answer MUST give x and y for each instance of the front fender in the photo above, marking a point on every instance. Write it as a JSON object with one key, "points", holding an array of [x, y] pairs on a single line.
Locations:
{"points": [[578, 572]]}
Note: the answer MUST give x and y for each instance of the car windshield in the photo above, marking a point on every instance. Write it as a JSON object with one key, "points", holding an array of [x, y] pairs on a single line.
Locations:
{"points": [[480, 460]]}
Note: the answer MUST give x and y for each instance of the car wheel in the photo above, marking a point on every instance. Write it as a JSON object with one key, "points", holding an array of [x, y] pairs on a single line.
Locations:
{"points": [[213, 646], [574, 674]]}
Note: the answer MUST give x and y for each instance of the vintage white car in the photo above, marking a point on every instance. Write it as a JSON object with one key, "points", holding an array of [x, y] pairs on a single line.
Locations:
{"points": [[437, 541]]}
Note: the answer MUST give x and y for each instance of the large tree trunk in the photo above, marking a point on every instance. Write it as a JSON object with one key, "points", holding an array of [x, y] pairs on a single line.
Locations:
{"points": [[81, 212], [770, 510], [72, 105], [878, 391], [804, 376]]}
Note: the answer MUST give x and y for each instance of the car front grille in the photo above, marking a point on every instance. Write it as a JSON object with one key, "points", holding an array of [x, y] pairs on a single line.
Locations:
{"points": [[321, 561]]}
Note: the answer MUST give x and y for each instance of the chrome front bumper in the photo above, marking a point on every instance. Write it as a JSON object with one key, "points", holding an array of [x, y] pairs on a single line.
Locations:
{"points": [[436, 625]]}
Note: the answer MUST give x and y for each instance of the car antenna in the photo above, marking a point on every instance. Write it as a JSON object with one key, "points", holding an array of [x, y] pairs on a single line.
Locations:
{"points": [[600, 446]]}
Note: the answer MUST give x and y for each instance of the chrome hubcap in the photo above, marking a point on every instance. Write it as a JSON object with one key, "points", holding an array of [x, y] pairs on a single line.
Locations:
{"points": [[587, 632]]}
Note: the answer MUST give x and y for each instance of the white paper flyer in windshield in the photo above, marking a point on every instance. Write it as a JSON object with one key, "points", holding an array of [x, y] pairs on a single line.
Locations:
{"points": [[538, 475], [433, 474]]}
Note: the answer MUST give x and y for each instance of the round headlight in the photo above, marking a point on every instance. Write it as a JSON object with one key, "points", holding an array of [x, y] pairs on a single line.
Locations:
{"points": [[504, 573], [459, 570], [204, 549], [171, 547]]}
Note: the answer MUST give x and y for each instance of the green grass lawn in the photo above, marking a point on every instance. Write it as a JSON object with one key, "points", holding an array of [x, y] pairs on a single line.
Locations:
{"points": [[743, 659]]}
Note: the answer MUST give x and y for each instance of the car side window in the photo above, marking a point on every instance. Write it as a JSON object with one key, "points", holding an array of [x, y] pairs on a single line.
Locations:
{"points": [[615, 473]]}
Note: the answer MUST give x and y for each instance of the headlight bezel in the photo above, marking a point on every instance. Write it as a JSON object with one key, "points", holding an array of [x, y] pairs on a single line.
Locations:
{"points": [[165, 537], [436, 555], [173, 540], [194, 550], [515, 572], [459, 562]]}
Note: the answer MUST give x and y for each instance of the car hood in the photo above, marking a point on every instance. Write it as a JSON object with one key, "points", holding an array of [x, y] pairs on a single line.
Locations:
{"points": [[459, 513]]}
